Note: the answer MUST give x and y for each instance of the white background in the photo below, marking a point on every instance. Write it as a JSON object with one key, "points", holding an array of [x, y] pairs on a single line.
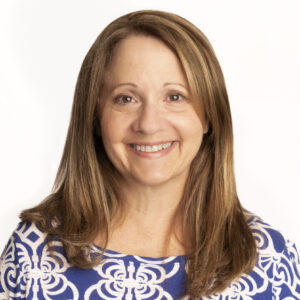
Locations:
{"points": [[257, 42]]}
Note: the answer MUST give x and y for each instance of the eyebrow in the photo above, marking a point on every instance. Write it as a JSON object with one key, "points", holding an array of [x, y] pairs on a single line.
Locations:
{"points": [[134, 85]]}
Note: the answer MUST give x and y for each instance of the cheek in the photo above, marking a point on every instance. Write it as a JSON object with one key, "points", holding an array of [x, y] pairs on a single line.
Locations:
{"points": [[110, 137], [190, 127], [113, 128]]}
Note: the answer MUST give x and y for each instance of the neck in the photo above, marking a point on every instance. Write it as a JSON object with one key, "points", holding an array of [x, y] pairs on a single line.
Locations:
{"points": [[148, 219], [151, 205]]}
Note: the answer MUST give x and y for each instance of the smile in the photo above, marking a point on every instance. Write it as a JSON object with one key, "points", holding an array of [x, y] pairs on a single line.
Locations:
{"points": [[152, 148]]}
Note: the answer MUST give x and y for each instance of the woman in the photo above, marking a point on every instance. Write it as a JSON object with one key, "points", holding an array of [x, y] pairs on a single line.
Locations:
{"points": [[144, 205]]}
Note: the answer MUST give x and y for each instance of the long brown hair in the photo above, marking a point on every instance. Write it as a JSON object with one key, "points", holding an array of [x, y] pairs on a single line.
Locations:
{"points": [[84, 199]]}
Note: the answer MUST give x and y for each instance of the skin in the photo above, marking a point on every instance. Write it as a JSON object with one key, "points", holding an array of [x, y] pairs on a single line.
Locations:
{"points": [[148, 111]]}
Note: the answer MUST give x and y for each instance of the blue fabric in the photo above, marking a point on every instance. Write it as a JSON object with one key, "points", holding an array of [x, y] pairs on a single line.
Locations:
{"points": [[28, 271]]}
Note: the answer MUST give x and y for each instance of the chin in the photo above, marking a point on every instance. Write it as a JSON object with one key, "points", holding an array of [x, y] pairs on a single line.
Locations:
{"points": [[153, 179]]}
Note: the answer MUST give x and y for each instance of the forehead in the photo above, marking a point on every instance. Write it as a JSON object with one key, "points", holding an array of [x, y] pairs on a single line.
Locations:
{"points": [[141, 57]]}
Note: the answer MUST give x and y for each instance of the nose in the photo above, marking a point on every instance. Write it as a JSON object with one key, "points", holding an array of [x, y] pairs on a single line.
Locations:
{"points": [[150, 119]]}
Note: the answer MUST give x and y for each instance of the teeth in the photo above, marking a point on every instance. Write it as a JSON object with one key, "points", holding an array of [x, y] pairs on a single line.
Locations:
{"points": [[154, 148]]}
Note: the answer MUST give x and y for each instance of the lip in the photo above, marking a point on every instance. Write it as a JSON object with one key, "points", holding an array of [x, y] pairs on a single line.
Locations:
{"points": [[151, 155], [151, 143]]}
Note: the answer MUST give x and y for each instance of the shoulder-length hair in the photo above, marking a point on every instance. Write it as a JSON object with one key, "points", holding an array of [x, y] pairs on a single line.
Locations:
{"points": [[85, 199]]}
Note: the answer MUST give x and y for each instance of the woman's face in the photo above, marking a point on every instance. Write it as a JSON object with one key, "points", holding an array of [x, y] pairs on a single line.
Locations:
{"points": [[149, 127]]}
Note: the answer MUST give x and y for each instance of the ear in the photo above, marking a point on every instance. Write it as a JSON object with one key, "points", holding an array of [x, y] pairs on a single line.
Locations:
{"points": [[205, 125], [203, 119], [205, 128]]}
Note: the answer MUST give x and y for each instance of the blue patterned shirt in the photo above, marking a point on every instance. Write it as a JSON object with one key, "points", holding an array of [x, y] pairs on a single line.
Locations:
{"points": [[28, 271]]}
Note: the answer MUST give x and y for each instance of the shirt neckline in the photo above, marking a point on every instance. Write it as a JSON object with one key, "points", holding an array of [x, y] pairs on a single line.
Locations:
{"points": [[119, 254]]}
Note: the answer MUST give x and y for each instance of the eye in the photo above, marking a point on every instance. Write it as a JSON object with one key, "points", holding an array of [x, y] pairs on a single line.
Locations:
{"points": [[176, 97], [123, 99]]}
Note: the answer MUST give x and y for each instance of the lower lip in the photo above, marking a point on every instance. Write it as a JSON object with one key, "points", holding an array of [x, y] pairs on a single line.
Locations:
{"points": [[156, 154]]}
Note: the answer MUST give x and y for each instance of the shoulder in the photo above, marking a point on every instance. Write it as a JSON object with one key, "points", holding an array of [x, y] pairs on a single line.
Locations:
{"points": [[276, 273], [28, 233], [20, 261], [273, 246], [26, 237], [268, 239], [278, 263], [26, 240]]}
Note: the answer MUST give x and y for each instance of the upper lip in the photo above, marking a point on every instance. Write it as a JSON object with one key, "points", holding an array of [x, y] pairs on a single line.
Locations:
{"points": [[151, 143]]}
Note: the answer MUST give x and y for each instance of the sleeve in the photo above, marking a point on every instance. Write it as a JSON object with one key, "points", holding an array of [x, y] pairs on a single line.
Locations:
{"points": [[10, 275], [286, 282]]}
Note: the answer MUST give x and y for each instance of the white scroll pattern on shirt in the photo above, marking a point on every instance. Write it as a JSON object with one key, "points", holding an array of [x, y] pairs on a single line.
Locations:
{"points": [[284, 271], [120, 281], [37, 273]]}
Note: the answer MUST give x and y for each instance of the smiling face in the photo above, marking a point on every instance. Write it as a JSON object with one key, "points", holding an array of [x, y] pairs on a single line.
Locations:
{"points": [[149, 127]]}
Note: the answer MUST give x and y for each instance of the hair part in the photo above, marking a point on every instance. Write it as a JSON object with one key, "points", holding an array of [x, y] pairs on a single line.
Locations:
{"points": [[84, 198]]}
